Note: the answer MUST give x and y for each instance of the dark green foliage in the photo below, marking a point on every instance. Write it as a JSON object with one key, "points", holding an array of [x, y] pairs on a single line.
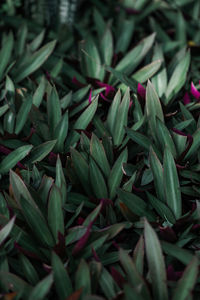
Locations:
{"points": [[99, 150]]}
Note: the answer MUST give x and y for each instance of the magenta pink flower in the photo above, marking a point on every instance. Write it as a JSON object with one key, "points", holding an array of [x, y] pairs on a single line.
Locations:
{"points": [[141, 91], [90, 96], [186, 99], [109, 88], [194, 91]]}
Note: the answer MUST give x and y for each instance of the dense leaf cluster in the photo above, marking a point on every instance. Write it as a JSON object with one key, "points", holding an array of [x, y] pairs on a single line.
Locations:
{"points": [[99, 151]]}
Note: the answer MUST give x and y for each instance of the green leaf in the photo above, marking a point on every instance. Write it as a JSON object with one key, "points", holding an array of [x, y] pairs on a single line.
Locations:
{"points": [[93, 215], [164, 137], [53, 110], [112, 113], [60, 133], [138, 255], [153, 108], [55, 212], [82, 169], [148, 71], [28, 269], [39, 92], [37, 223], [5, 53], [61, 278], [35, 61], [195, 145], [175, 251], [39, 152], [157, 171], [37, 41], [159, 81], [178, 78], [136, 204], [133, 58], [82, 122], [82, 278], [156, 263], [90, 59], [187, 282], [129, 82], [40, 291], [21, 39], [126, 29], [142, 140], [3, 109], [98, 153], [131, 293], [133, 275], [116, 173], [122, 118], [5, 231], [19, 189], [107, 284], [13, 158], [107, 46], [23, 114], [171, 184], [97, 180], [60, 180], [15, 283], [162, 209]]}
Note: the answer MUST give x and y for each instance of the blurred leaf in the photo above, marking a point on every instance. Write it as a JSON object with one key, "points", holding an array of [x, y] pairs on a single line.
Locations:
{"points": [[138, 255], [23, 113], [35, 62], [159, 81], [39, 92], [5, 53], [148, 71], [182, 255], [186, 284], [178, 78], [82, 278], [5, 231], [15, 283], [61, 278], [107, 46], [134, 277], [28, 270], [132, 59], [155, 262], [53, 110], [42, 288], [106, 283]]}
